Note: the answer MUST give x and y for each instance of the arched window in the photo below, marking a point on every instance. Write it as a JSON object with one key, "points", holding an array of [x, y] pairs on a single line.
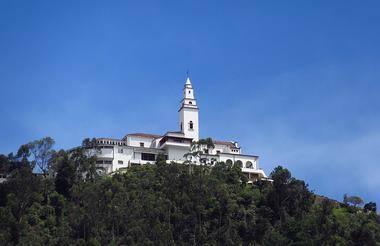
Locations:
{"points": [[229, 162], [248, 164], [239, 163], [190, 102], [191, 125]]}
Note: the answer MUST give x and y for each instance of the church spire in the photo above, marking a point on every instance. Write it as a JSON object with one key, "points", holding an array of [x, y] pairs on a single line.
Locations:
{"points": [[188, 82], [189, 112], [188, 92]]}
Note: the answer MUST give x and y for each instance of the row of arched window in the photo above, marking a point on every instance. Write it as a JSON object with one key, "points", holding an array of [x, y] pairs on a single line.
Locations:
{"points": [[111, 142], [248, 164]]}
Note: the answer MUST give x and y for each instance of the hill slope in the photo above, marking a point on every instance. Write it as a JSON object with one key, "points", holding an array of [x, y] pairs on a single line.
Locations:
{"points": [[169, 204]]}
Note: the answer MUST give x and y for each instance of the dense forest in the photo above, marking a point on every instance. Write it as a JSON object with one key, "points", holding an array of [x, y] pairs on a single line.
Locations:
{"points": [[57, 198]]}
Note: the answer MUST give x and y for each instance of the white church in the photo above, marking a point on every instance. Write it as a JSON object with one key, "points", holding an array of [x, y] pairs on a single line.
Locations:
{"points": [[142, 148]]}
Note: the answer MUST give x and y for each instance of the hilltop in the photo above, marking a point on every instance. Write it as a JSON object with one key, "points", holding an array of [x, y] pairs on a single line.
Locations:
{"points": [[68, 203]]}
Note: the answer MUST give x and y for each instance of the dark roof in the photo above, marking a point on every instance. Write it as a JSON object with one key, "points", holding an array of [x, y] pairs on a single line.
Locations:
{"points": [[144, 135]]}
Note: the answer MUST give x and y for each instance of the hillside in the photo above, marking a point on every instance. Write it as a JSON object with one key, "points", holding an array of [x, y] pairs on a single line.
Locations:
{"points": [[167, 204]]}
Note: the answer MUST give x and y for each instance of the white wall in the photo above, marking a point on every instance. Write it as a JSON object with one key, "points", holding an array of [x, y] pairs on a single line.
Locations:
{"points": [[135, 141], [176, 153], [126, 156], [186, 115], [241, 158], [106, 152]]}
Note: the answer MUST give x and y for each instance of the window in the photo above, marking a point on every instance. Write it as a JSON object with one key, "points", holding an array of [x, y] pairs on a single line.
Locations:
{"points": [[191, 125], [248, 164], [189, 92], [120, 150], [147, 157], [229, 162], [190, 102], [141, 144], [218, 152], [103, 162], [239, 163], [120, 162]]}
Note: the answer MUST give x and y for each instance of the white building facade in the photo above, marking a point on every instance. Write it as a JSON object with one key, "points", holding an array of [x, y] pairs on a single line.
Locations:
{"points": [[142, 148]]}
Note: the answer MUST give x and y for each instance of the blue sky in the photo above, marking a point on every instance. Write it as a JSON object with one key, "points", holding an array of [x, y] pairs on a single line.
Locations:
{"points": [[296, 82]]}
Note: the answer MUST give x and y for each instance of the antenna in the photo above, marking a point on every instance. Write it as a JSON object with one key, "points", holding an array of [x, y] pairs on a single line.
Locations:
{"points": [[187, 73]]}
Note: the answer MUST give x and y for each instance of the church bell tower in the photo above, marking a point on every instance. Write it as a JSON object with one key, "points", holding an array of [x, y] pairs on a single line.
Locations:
{"points": [[188, 112]]}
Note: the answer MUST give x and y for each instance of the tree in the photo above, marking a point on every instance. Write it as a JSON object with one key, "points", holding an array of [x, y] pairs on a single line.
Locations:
{"points": [[4, 164], [164, 204], [42, 153], [65, 176], [289, 196], [354, 200], [199, 148], [84, 164], [370, 207], [21, 190], [89, 143], [23, 153]]}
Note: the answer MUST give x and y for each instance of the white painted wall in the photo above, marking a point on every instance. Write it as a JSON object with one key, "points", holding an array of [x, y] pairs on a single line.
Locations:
{"points": [[176, 153], [185, 116], [125, 156], [244, 159], [107, 152], [135, 141]]}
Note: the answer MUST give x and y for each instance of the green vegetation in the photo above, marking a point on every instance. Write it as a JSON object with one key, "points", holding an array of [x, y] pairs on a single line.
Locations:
{"points": [[167, 204]]}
